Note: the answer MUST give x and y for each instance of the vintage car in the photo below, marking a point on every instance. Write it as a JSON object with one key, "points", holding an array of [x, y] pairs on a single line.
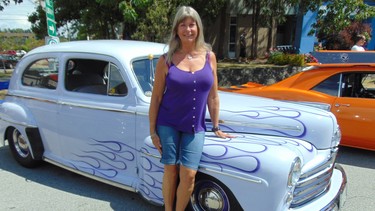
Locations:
{"points": [[8, 61], [344, 80], [83, 106]]}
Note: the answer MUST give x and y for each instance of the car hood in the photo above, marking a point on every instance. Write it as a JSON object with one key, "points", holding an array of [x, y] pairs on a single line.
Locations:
{"points": [[250, 114]]}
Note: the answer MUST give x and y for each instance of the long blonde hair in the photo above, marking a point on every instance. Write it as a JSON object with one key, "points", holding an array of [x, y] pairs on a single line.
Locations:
{"points": [[174, 41]]}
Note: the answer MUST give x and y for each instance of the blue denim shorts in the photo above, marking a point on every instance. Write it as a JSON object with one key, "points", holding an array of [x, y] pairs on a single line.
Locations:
{"points": [[180, 148]]}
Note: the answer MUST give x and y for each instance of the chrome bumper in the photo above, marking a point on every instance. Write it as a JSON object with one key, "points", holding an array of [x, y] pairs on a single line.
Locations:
{"points": [[338, 202]]}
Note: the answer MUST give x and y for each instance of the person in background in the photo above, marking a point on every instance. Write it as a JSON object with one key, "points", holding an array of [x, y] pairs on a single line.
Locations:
{"points": [[243, 48], [360, 40], [185, 82]]}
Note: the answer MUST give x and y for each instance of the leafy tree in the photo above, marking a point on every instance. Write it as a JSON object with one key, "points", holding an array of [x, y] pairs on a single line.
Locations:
{"points": [[346, 37], [38, 23], [335, 16], [7, 2], [157, 23], [97, 19], [270, 13]]}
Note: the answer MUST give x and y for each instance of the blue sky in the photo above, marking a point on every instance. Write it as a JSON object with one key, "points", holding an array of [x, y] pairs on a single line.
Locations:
{"points": [[14, 16]]}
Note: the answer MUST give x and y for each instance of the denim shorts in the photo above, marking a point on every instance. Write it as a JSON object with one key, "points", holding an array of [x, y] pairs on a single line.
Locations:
{"points": [[180, 148]]}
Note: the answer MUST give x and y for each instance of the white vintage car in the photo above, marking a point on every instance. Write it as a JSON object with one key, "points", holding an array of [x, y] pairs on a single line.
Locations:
{"points": [[84, 105]]}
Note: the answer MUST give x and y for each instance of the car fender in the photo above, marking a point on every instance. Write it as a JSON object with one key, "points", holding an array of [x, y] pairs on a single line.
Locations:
{"points": [[255, 162], [16, 115]]}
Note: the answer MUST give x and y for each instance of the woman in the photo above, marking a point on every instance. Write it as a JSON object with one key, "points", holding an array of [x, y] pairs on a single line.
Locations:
{"points": [[185, 82]]}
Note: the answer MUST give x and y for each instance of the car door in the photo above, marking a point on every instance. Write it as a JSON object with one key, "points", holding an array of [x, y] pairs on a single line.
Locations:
{"points": [[96, 120], [38, 93], [355, 111]]}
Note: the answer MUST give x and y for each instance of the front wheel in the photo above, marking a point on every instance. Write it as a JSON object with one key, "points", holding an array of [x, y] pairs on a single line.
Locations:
{"points": [[209, 194], [20, 149]]}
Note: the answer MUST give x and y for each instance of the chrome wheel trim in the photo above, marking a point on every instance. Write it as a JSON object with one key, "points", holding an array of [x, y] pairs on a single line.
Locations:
{"points": [[20, 144], [209, 196]]}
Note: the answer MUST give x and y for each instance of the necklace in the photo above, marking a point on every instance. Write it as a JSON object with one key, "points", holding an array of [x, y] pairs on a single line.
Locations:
{"points": [[189, 56]]}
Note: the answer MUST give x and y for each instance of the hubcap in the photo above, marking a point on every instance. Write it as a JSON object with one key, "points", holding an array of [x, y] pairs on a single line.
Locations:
{"points": [[208, 195], [20, 144], [210, 199]]}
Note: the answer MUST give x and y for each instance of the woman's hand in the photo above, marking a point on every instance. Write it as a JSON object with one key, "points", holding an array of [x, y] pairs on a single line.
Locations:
{"points": [[156, 141], [221, 134]]}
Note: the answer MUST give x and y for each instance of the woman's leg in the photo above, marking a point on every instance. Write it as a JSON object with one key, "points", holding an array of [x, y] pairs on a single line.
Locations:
{"points": [[170, 139], [169, 186], [185, 188], [190, 156]]}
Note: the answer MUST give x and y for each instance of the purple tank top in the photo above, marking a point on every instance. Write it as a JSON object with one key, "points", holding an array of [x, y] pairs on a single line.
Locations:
{"points": [[183, 106]]}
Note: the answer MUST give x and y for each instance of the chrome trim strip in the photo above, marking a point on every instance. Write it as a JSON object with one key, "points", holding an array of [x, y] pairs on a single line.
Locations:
{"points": [[74, 104], [142, 113], [33, 98], [116, 184], [96, 107], [230, 175], [262, 126], [151, 155], [214, 171]]}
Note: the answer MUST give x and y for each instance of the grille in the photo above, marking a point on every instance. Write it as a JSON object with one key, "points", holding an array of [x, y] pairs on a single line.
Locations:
{"points": [[314, 183]]}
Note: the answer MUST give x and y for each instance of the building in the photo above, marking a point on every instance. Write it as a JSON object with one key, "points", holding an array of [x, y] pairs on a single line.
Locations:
{"points": [[235, 19]]}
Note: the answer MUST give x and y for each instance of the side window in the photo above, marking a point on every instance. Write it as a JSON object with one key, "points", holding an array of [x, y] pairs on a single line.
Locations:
{"points": [[360, 85], [330, 86], [94, 77], [117, 86], [42, 73], [144, 70]]}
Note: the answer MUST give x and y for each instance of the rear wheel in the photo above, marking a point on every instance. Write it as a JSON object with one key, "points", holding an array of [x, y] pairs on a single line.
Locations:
{"points": [[20, 149], [209, 194]]}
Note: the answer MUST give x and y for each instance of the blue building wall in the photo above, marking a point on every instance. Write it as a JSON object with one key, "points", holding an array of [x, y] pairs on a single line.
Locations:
{"points": [[306, 43]]}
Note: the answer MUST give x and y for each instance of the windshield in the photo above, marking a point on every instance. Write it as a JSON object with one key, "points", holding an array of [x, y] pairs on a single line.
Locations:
{"points": [[144, 69]]}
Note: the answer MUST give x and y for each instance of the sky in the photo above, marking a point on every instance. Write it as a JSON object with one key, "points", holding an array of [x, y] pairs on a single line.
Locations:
{"points": [[14, 16]]}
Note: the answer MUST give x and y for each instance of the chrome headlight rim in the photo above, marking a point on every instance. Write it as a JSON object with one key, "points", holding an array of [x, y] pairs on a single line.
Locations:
{"points": [[295, 172], [336, 138]]}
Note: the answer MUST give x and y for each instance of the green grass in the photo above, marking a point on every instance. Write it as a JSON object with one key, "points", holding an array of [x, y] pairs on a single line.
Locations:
{"points": [[5, 75]]}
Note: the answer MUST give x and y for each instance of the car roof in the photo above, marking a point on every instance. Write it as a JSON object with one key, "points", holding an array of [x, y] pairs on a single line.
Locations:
{"points": [[342, 58], [117, 48]]}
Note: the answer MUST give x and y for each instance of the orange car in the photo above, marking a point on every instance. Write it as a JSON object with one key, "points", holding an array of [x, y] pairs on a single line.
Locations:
{"points": [[349, 89]]}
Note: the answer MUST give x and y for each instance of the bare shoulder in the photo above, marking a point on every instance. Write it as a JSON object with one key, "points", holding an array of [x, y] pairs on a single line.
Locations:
{"points": [[212, 55], [161, 65], [213, 60]]}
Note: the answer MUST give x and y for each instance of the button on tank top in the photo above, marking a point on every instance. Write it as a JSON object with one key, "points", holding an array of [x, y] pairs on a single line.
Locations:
{"points": [[183, 106]]}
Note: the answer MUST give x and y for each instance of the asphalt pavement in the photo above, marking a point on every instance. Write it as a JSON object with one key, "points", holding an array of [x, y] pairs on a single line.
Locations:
{"points": [[51, 188]]}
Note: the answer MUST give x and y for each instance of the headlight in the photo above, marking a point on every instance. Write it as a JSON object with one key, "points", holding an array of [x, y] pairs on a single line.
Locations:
{"points": [[295, 172], [336, 137]]}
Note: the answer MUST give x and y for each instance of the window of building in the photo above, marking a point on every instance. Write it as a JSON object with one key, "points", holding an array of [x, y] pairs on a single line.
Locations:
{"points": [[42, 73], [232, 37]]}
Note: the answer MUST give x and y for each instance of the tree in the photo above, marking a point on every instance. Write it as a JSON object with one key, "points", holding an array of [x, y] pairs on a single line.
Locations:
{"points": [[7, 2], [346, 37], [157, 23], [97, 19], [334, 16], [38, 23]]}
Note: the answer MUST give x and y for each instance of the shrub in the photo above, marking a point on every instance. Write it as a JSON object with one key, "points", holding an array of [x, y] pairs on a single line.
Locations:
{"points": [[280, 58]]}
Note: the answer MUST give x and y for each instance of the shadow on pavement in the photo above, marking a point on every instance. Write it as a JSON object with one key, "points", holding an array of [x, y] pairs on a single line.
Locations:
{"points": [[61, 179], [356, 157]]}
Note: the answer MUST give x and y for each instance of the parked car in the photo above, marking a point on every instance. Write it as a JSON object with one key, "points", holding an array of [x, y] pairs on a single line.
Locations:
{"points": [[20, 53], [346, 83], [83, 106], [7, 61]]}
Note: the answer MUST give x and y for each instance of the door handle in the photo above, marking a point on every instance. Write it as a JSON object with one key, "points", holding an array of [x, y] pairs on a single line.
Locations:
{"points": [[338, 105]]}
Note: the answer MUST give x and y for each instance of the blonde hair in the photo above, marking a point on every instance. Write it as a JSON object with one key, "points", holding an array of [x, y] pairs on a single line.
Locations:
{"points": [[174, 41]]}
